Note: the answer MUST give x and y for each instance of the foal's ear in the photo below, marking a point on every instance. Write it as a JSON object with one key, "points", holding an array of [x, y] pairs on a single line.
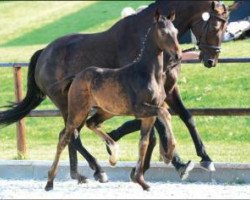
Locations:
{"points": [[157, 15], [171, 16]]}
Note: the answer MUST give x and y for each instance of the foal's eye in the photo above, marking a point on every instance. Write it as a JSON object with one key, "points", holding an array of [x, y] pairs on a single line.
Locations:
{"points": [[161, 24], [163, 32]]}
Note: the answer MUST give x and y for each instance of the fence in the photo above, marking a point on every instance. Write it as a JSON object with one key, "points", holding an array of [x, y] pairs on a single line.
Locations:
{"points": [[21, 137]]}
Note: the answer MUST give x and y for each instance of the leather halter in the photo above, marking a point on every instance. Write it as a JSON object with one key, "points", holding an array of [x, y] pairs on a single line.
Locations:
{"points": [[215, 48]]}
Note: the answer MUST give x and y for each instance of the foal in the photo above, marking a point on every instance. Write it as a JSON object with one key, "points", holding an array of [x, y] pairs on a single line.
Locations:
{"points": [[136, 89]]}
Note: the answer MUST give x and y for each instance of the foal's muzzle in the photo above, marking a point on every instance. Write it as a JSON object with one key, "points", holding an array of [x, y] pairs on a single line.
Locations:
{"points": [[178, 56]]}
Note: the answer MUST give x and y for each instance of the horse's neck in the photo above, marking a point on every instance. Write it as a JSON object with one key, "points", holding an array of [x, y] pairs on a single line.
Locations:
{"points": [[187, 12]]}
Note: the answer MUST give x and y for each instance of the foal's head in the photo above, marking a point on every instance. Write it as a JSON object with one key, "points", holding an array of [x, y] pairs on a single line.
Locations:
{"points": [[166, 35]]}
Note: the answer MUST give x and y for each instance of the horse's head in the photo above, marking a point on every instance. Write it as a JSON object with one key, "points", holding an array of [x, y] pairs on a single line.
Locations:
{"points": [[209, 29], [166, 35]]}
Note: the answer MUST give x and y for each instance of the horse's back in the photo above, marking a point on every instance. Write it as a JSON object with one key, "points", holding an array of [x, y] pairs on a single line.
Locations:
{"points": [[69, 55]]}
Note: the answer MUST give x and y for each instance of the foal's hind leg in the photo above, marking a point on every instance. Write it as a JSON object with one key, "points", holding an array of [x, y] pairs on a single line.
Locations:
{"points": [[94, 124], [62, 103], [78, 109]]}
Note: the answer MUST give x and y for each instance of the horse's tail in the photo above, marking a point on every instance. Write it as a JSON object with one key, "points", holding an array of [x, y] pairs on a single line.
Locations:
{"points": [[33, 98]]}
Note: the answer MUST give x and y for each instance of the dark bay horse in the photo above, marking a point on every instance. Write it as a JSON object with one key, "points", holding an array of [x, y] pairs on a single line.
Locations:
{"points": [[136, 89], [116, 47]]}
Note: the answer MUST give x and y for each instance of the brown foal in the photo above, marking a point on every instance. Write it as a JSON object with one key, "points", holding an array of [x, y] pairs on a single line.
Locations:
{"points": [[136, 90]]}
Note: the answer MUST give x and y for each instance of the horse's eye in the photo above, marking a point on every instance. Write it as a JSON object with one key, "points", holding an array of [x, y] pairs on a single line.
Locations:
{"points": [[215, 26]]}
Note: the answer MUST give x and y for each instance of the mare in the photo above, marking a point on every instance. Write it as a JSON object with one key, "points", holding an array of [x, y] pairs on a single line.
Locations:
{"points": [[136, 89], [116, 47]]}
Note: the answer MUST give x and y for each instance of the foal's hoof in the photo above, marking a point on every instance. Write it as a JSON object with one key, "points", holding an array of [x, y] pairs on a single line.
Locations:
{"points": [[184, 170], [132, 175], [49, 186], [101, 177], [144, 185], [113, 154], [82, 179], [207, 165], [166, 160]]}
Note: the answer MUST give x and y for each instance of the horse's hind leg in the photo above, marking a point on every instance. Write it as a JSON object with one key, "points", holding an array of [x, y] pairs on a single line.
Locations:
{"points": [[73, 161], [94, 124], [99, 174], [146, 126]]}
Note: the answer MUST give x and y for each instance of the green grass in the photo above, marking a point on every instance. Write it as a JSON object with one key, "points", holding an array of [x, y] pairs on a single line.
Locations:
{"points": [[227, 139], [73, 22]]}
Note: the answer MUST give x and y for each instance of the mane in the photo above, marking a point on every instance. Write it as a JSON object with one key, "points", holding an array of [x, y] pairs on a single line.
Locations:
{"points": [[144, 41]]}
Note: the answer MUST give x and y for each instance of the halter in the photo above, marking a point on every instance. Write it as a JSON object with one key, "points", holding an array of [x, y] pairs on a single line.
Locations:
{"points": [[214, 48]]}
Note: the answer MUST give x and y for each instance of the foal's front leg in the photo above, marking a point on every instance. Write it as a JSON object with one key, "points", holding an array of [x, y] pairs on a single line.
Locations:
{"points": [[146, 127], [168, 141]]}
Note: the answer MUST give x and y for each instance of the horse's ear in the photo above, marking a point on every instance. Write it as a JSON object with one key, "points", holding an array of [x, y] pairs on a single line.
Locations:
{"points": [[157, 15], [213, 5], [171, 16], [234, 6]]}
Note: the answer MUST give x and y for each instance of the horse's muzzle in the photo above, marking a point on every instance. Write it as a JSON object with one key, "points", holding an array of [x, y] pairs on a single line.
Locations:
{"points": [[210, 63]]}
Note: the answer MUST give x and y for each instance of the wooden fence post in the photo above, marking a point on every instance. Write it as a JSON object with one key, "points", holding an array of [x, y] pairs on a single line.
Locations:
{"points": [[20, 127]]}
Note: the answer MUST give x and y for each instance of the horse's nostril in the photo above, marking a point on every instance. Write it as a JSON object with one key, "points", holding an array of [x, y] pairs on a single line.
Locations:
{"points": [[209, 63]]}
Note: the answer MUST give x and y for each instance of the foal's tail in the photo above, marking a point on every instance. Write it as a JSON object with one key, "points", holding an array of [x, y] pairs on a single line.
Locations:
{"points": [[33, 98]]}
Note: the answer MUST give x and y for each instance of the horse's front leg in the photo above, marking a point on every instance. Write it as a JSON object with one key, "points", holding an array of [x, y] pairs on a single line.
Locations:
{"points": [[146, 127], [94, 124], [176, 104]]}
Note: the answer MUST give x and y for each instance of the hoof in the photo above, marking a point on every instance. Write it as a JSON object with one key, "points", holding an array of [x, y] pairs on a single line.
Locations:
{"points": [[49, 186], [101, 177], [140, 180], [113, 154], [207, 165], [146, 188], [184, 170], [166, 160], [132, 175], [82, 179]]}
